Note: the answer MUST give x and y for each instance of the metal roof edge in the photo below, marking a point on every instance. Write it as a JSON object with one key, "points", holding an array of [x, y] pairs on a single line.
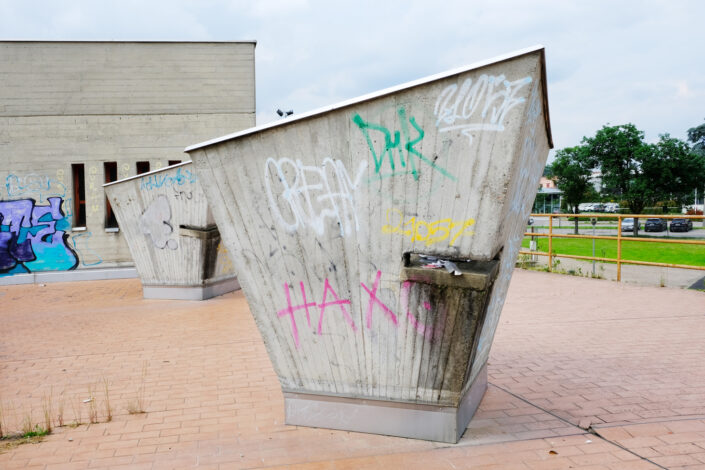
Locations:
{"points": [[546, 115], [387, 91]]}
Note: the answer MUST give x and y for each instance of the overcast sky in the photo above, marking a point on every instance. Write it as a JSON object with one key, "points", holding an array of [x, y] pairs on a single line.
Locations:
{"points": [[608, 61]]}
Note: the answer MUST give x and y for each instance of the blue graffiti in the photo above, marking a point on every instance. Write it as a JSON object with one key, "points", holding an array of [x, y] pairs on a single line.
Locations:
{"points": [[33, 237], [88, 256], [34, 185], [155, 181]]}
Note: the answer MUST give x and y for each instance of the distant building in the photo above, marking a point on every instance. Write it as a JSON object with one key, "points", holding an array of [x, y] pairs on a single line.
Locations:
{"points": [[547, 183], [75, 115], [548, 198]]}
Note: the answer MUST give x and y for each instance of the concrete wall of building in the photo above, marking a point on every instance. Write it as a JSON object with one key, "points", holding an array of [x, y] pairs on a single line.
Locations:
{"points": [[64, 103]]}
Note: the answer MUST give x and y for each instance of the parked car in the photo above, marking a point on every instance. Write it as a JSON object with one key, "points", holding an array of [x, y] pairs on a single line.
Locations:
{"points": [[681, 225], [628, 224], [611, 207], [655, 225]]}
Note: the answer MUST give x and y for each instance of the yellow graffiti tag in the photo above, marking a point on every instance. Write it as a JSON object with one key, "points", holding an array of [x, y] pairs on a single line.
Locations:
{"points": [[428, 232], [224, 264]]}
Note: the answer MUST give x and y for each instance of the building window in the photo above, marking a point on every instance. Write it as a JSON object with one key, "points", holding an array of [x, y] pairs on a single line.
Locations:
{"points": [[79, 195], [110, 171], [142, 167], [174, 162]]}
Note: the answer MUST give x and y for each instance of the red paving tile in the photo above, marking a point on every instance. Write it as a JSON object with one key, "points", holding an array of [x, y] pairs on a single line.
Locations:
{"points": [[569, 351]]}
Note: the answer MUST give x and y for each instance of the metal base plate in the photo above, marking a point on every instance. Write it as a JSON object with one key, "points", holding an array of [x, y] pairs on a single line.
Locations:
{"points": [[191, 292], [428, 422]]}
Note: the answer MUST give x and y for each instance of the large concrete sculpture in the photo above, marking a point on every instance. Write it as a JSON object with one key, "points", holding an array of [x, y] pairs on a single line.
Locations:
{"points": [[171, 234], [375, 241]]}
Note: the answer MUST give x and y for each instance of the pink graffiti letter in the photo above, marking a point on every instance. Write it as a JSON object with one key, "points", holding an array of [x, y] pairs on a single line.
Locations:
{"points": [[337, 301], [375, 300], [290, 309], [306, 304]]}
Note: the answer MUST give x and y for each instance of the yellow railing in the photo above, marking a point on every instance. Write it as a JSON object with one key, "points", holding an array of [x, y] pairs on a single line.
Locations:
{"points": [[619, 260]]}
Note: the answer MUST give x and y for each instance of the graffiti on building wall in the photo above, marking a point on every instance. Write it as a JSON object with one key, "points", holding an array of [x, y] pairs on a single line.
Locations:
{"points": [[88, 256], [398, 155], [479, 105], [305, 196], [34, 186], [155, 222], [33, 237], [94, 193]]}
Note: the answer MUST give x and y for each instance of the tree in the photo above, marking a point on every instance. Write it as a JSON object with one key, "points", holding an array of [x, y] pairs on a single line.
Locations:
{"points": [[571, 169], [676, 170], [696, 135], [621, 153]]}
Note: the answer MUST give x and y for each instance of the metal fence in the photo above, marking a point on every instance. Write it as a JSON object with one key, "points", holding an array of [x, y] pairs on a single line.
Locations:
{"points": [[619, 238]]}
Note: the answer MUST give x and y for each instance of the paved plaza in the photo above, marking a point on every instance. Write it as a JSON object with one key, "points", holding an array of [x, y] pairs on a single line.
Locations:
{"points": [[584, 374]]}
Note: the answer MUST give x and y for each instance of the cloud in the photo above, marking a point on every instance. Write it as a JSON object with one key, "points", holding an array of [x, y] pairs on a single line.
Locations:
{"points": [[629, 61], [682, 90]]}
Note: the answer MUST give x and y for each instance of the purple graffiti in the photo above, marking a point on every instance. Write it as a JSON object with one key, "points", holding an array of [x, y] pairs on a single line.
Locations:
{"points": [[33, 237]]}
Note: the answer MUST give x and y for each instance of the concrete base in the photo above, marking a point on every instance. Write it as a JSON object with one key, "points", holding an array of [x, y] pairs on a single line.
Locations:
{"points": [[428, 422], [97, 274], [191, 292]]}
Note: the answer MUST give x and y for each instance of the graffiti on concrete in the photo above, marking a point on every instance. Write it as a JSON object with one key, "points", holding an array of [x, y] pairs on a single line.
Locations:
{"points": [[33, 237], [155, 181], [224, 264], [34, 186], [479, 105], [94, 193], [155, 222], [374, 304], [397, 145], [306, 196], [428, 232], [290, 309], [182, 195], [89, 257]]}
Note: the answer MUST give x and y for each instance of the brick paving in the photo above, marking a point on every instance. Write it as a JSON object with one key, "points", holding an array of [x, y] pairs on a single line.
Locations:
{"points": [[584, 374]]}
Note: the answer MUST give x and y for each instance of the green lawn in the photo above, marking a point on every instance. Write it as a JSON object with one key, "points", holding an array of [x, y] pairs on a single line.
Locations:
{"points": [[693, 255]]}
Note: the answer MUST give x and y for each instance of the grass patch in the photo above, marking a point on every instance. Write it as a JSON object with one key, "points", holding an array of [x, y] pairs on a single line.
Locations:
{"points": [[691, 255], [36, 432], [31, 434], [32, 437]]}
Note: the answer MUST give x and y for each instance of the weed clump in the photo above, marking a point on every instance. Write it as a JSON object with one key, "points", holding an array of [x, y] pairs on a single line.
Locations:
{"points": [[136, 405]]}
